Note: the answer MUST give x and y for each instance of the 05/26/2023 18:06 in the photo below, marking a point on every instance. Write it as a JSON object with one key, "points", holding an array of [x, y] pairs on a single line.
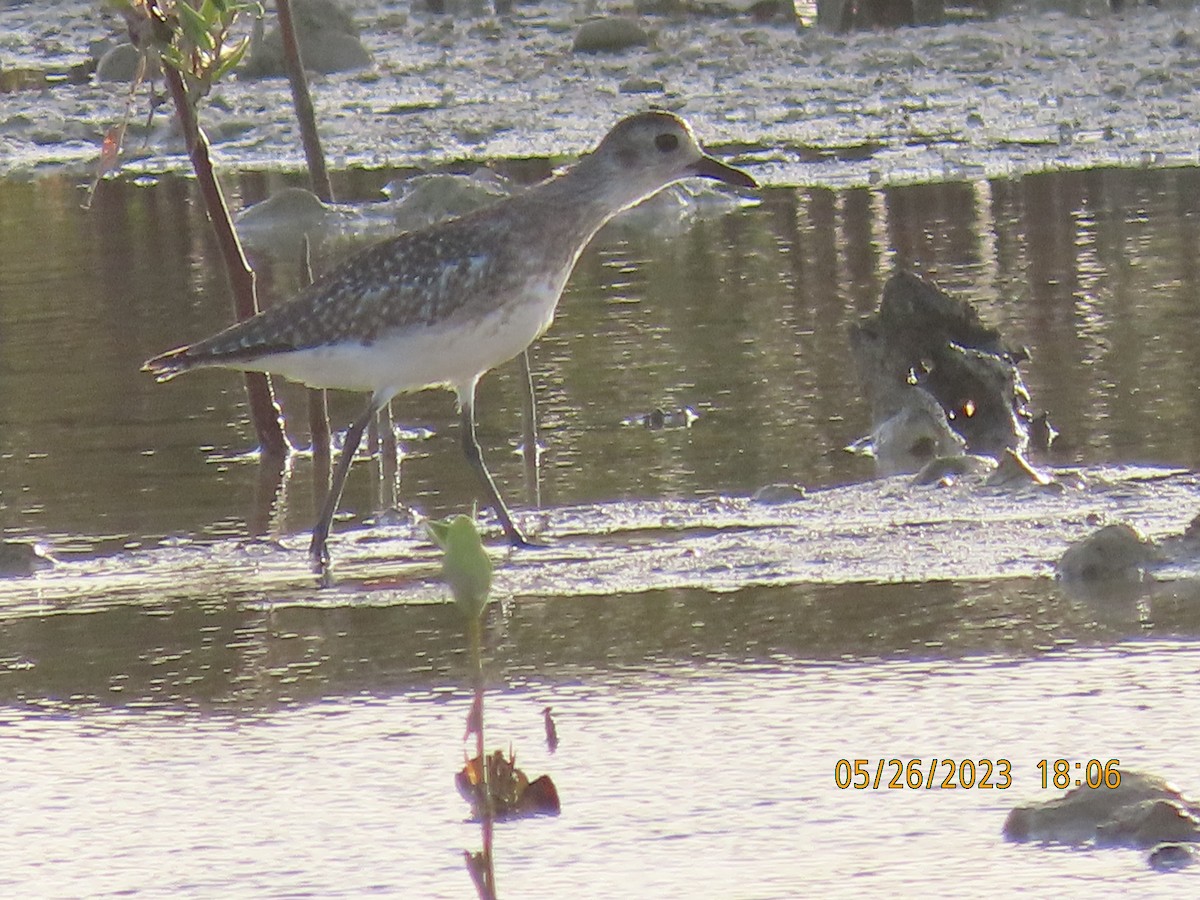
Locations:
{"points": [[979, 774]]}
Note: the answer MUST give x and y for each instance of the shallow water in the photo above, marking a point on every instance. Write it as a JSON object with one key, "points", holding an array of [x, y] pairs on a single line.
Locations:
{"points": [[309, 751], [183, 713], [741, 317], [211, 737]]}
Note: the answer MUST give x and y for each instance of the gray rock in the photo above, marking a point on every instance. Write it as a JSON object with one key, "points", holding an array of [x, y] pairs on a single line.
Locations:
{"points": [[638, 85], [1117, 551], [328, 42], [18, 558], [1140, 812], [425, 199], [915, 434], [1148, 823], [779, 492], [1169, 857], [611, 35], [285, 219], [120, 63]]}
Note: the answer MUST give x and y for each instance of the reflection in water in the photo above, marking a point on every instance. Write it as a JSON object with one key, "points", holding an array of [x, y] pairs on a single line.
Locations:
{"points": [[726, 711], [708, 773], [242, 746], [239, 657], [743, 318]]}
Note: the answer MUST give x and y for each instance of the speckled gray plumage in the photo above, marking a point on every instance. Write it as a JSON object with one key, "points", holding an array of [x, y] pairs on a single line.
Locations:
{"points": [[410, 280], [457, 269], [441, 306]]}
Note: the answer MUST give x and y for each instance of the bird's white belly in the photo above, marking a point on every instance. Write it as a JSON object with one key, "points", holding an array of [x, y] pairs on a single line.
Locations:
{"points": [[452, 354]]}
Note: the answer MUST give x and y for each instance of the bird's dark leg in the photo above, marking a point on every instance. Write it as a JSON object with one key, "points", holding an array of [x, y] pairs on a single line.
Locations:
{"points": [[475, 458], [532, 451], [317, 551]]}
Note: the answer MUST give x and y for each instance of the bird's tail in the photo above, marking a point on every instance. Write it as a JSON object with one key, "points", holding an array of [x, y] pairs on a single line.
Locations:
{"points": [[167, 365]]}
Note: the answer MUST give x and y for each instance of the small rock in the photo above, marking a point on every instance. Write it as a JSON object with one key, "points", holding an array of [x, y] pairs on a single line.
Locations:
{"points": [[1147, 823], [1115, 551], [1127, 815], [328, 42], [18, 558], [780, 492], [944, 469], [283, 221], [425, 199], [120, 63], [284, 207], [913, 435], [610, 35], [636, 85], [1169, 857]]}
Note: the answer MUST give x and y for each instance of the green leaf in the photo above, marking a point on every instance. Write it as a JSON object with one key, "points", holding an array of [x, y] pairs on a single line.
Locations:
{"points": [[438, 529], [466, 568], [230, 59], [172, 57], [194, 27]]}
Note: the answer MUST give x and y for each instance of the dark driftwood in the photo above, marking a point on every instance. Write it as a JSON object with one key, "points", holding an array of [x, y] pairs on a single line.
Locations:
{"points": [[924, 337]]}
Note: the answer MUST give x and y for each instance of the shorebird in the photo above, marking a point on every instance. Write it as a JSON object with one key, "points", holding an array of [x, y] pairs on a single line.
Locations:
{"points": [[441, 306]]}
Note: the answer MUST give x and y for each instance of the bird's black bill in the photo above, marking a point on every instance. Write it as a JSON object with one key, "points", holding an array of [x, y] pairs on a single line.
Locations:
{"points": [[707, 167]]}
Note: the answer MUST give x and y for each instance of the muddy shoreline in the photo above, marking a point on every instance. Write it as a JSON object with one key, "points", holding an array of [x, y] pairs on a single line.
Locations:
{"points": [[1031, 91], [883, 531]]}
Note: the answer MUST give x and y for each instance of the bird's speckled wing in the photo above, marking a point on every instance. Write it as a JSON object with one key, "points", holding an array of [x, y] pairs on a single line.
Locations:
{"points": [[407, 281]]}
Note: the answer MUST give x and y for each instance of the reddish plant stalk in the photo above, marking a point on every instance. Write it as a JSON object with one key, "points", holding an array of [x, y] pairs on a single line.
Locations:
{"points": [[264, 413], [318, 401]]}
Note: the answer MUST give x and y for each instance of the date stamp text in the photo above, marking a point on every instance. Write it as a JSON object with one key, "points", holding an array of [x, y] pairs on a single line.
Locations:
{"points": [[923, 774], [969, 774]]}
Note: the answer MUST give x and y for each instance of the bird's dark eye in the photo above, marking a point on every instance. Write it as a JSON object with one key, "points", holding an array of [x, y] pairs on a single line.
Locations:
{"points": [[666, 142]]}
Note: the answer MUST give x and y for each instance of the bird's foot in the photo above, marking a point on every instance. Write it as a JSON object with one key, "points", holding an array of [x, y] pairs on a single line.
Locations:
{"points": [[519, 540], [318, 557]]}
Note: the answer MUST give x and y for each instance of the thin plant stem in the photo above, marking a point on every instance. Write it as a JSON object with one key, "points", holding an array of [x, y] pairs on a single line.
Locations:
{"points": [[318, 413], [264, 413], [318, 174], [488, 813], [532, 455], [302, 101], [389, 460]]}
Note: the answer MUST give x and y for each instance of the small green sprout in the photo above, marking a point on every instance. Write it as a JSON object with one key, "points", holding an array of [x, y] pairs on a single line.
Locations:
{"points": [[465, 567]]}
